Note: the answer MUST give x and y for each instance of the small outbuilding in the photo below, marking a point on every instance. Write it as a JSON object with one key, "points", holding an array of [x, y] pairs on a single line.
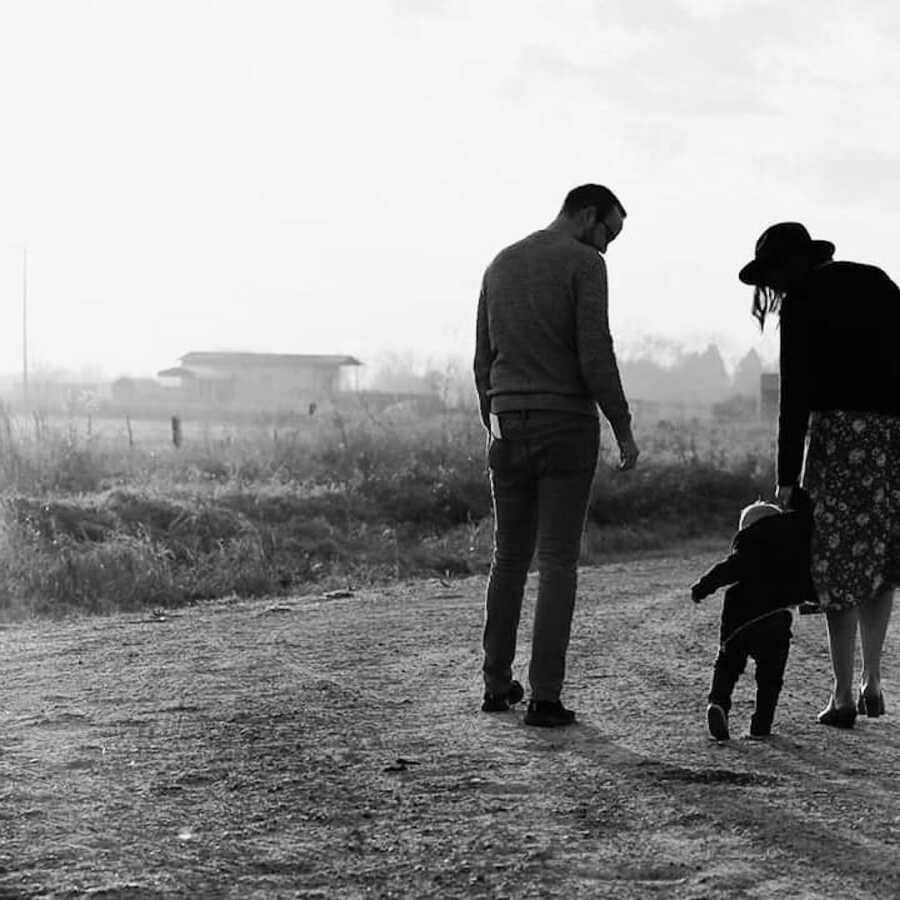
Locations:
{"points": [[260, 380]]}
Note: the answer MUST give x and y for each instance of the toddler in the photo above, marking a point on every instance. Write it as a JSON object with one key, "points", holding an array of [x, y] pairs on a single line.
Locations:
{"points": [[768, 572]]}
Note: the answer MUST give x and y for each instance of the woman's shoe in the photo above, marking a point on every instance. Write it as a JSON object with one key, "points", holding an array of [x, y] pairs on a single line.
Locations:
{"points": [[869, 704], [838, 716]]}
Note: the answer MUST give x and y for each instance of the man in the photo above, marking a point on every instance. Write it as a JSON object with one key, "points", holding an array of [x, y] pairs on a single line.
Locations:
{"points": [[544, 361]]}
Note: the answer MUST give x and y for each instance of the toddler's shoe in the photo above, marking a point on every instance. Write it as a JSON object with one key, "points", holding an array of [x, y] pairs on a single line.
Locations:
{"points": [[760, 729], [717, 720]]}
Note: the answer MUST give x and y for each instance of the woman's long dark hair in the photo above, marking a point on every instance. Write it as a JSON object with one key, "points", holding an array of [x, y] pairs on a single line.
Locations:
{"points": [[765, 300]]}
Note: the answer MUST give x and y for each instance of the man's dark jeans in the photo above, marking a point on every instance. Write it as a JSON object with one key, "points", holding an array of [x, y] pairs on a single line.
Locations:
{"points": [[541, 474]]}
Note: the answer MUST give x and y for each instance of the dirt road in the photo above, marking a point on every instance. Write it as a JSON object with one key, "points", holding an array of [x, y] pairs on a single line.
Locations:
{"points": [[334, 748]]}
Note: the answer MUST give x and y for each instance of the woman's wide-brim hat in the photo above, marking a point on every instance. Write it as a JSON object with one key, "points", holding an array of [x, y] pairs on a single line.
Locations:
{"points": [[781, 242]]}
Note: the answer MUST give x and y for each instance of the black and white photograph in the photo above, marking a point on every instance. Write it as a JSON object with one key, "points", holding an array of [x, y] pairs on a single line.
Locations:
{"points": [[449, 449]]}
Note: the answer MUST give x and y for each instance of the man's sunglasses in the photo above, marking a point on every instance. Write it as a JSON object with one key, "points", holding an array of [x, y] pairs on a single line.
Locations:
{"points": [[610, 234]]}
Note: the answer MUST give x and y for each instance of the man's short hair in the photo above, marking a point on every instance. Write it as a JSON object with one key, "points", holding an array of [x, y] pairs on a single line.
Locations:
{"points": [[586, 196]]}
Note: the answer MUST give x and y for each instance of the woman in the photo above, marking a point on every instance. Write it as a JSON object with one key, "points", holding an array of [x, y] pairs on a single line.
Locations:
{"points": [[840, 387]]}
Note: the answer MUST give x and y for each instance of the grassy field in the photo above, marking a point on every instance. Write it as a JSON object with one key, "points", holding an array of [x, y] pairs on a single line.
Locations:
{"points": [[102, 514]]}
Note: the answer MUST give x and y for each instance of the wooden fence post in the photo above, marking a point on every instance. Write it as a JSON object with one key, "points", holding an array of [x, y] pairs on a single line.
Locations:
{"points": [[176, 431]]}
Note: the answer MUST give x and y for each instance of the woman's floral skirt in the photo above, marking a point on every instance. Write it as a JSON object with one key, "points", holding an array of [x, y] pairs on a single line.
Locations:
{"points": [[852, 474]]}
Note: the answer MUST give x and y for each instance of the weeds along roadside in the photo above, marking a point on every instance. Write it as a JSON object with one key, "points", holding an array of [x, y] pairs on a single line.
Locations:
{"points": [[91, 522]]}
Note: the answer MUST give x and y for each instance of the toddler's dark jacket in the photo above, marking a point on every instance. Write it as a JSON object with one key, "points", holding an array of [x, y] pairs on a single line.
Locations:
{"points": [[768, 567]]}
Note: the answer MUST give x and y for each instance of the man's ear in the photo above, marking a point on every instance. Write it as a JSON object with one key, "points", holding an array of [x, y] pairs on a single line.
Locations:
{"points": [[587, 219]]}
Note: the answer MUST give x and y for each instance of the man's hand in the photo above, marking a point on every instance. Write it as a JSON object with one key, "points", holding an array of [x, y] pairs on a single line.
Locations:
{"points": [[784, 495], [628, 453]]}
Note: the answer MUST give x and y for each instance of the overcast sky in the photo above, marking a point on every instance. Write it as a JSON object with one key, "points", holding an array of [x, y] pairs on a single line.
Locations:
{"points": [[334, 177]]}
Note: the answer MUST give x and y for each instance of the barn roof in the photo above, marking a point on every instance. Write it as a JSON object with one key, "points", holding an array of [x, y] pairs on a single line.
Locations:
{"points": [[250, 360]]}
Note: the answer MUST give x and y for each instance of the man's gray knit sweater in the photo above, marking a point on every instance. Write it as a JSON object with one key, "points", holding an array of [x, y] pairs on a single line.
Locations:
{"points": [[542, 339]]}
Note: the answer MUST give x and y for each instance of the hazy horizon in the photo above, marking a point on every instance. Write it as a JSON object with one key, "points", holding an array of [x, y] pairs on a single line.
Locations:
{"points": [[659, 349], [258, 178]]}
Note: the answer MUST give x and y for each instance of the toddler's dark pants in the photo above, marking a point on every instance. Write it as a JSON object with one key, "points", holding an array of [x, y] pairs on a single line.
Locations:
{"points": [[767, 642]]}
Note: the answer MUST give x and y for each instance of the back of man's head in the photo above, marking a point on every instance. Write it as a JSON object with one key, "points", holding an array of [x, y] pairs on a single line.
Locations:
{"points": [[588, 196]]}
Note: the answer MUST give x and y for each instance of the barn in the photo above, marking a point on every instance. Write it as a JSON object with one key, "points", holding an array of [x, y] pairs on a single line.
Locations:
{"points": [[260, 380]]}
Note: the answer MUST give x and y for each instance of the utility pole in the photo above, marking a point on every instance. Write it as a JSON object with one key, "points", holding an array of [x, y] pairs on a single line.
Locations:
{"points": [[25, 324]]}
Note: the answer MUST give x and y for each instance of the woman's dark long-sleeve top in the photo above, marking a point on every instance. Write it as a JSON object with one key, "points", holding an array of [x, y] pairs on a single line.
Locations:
{"points": [[840, 349]]}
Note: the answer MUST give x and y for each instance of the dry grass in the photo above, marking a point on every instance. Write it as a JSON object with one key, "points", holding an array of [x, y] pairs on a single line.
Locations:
{"points": [[97, 517]]}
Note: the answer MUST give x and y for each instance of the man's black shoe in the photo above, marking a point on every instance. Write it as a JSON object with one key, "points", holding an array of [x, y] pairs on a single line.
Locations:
{"points": [[502, 702], [548, 714]]}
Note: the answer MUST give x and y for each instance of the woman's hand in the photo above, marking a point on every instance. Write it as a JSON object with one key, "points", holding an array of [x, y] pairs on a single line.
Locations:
{"points": [[784, 495]]}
